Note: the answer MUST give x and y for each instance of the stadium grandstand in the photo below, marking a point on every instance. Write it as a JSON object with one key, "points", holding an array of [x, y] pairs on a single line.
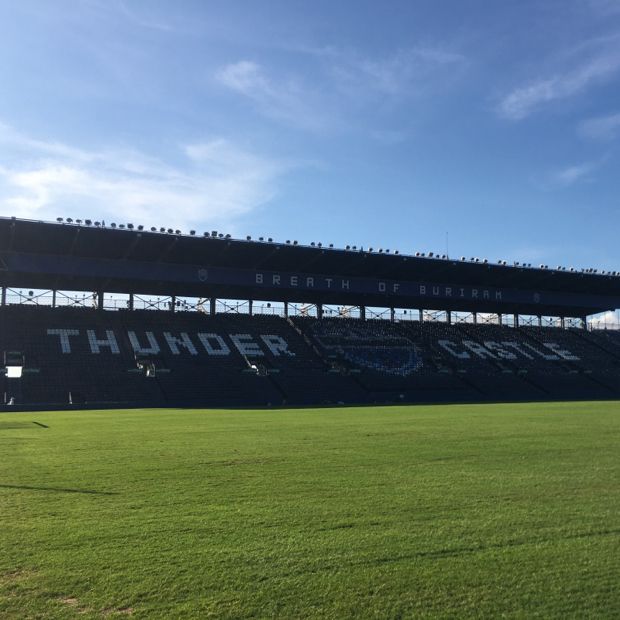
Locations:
{"points": [[96, 314]]}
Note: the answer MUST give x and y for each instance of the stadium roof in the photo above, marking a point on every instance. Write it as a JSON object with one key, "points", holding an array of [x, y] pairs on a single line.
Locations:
{"points": [[71, 256]]}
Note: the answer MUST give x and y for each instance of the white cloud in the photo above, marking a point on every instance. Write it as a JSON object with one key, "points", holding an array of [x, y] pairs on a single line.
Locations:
{"points": [[603, 128], [573, 174], [245, 77], [287, 100], [609, 319], [342, 83], [215, 184], [525, 100], [406, 72]]}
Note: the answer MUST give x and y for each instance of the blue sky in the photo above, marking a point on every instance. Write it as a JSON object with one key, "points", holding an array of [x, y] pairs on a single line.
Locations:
{"points": [[376, 124]]}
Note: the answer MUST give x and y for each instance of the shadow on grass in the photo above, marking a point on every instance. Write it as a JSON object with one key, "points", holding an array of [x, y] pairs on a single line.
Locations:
{"points": [[13, 425], [56, 489]]}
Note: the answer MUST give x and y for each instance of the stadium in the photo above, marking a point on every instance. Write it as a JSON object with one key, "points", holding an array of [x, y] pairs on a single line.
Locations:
{"points": [[200, 425], [243, 323]]}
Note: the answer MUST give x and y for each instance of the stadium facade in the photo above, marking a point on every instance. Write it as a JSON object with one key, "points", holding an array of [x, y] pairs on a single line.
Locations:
{"points": [[76, 351]]}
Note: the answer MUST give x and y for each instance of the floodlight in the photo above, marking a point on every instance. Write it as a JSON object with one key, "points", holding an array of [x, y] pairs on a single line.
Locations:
{"points": [[130, 226], [59, 219], [69, 220], [248, 238], [270, 240]]}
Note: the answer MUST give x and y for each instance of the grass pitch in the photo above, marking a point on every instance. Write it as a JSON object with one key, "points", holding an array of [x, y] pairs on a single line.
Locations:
{"points": [[443, 511]]}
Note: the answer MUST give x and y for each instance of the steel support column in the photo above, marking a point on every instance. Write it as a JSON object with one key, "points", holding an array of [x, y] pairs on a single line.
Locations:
{"points": [[392, 314], [449, 317], [286, 309], [173, 303], [250, 307], [421, 315], [363, 313], [319, 311], [212, 306], [499, 319], [131, 301], [3, 296], [516, 320]]}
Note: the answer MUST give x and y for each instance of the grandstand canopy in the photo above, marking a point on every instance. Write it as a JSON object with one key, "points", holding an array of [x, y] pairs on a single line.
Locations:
{"points": [[65, 256]]}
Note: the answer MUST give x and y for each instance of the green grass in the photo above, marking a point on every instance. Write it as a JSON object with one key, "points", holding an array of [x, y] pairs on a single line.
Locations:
{"points": [[444, 511]]}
